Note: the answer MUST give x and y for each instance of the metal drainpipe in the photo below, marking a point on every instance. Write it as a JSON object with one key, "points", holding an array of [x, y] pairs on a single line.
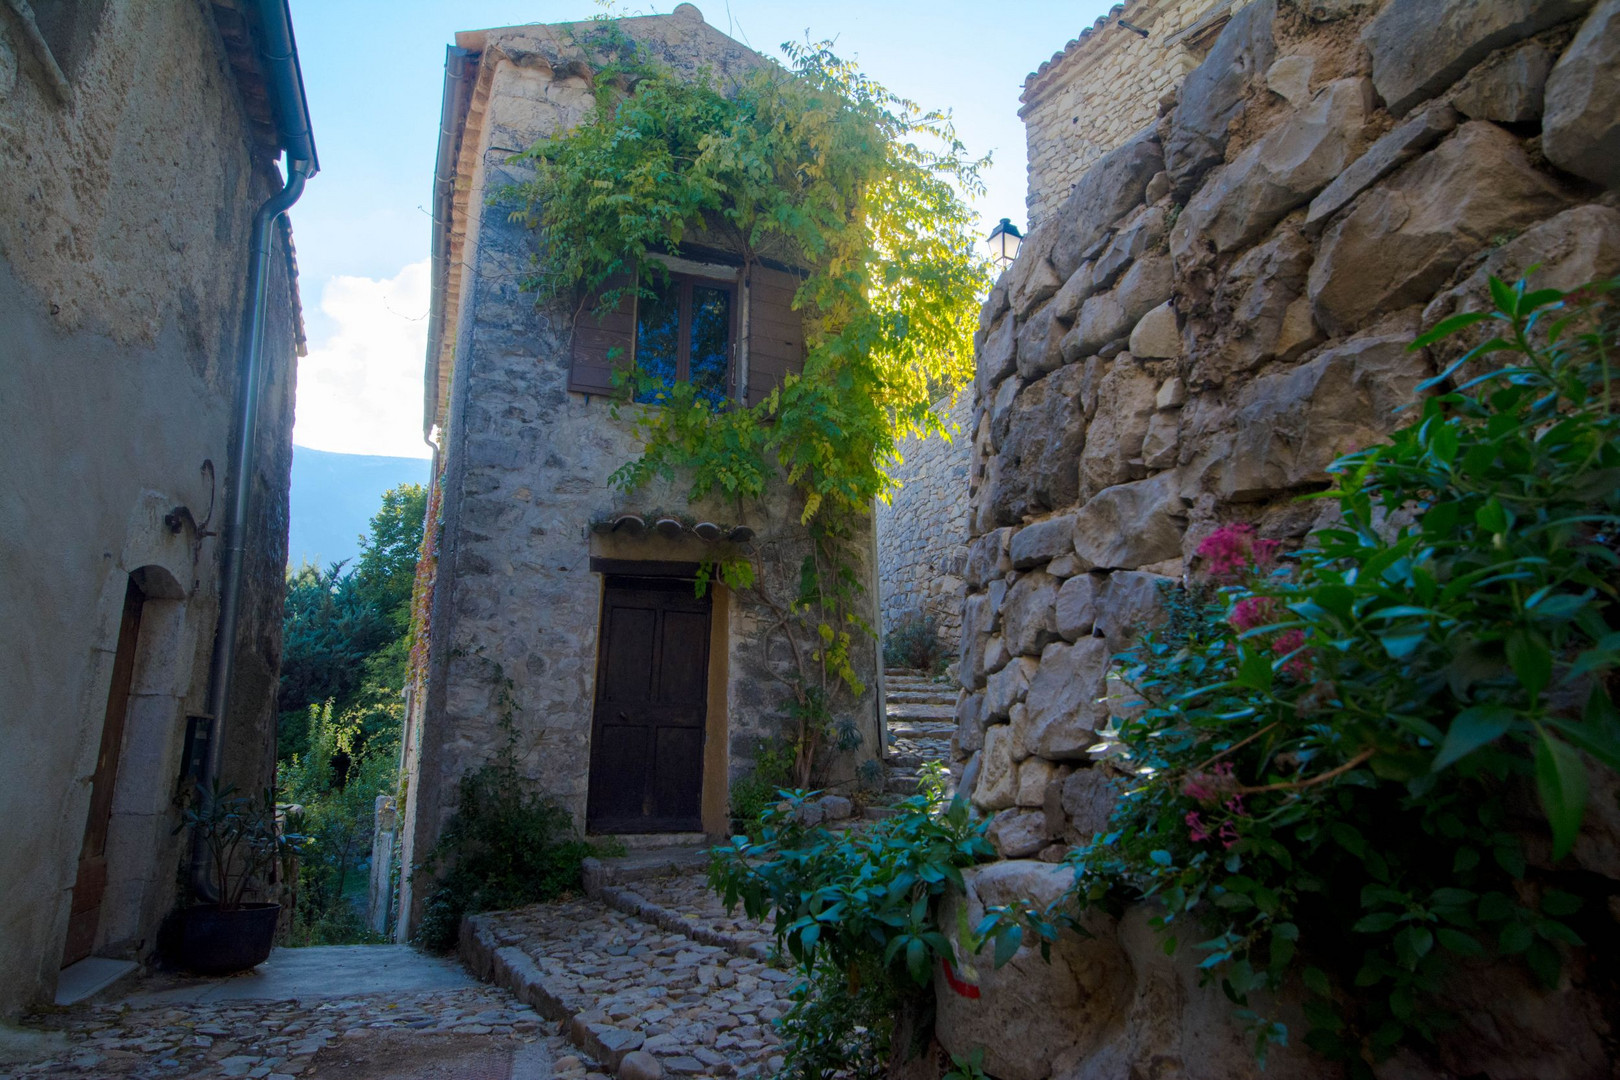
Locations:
{"points": [[223, 665]]}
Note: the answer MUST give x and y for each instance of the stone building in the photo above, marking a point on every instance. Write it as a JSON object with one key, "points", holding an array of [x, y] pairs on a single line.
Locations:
{"points": [[1208, 311], [565, 622], [140, 142], [922, 531]]}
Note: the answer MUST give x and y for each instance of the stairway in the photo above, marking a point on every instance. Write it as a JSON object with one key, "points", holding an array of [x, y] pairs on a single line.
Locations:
{"points": [[921, 710]]}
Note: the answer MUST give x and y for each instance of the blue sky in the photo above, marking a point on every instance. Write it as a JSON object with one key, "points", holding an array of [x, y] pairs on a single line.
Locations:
{"points": [[374, 73]]}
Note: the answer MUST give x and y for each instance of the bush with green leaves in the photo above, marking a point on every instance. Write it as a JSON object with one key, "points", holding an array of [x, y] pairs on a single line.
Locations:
{"points": [[857, 913], [761, 787], [1342, 750], [506, 846], [915, 643]]}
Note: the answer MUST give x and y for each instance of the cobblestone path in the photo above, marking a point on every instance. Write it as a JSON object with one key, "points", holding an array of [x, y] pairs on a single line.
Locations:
{"points": [[474, 1033], [649, 962]]}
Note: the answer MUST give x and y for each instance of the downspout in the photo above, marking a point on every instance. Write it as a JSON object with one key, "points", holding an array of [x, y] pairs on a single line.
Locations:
{"points": [[278, 57]]}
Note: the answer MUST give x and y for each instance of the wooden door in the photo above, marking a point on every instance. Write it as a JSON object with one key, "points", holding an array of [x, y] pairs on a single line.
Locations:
{"points": [[91, 883], [652, 676]]}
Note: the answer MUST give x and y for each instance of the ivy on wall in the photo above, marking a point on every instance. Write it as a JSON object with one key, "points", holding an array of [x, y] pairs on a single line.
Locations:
{"points": [[816, 166]]}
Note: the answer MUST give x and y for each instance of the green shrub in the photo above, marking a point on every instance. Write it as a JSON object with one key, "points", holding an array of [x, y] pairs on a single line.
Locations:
{"points": [[857, 912], [914, 643], [1339, 748], [761, 788], [506, 846]]}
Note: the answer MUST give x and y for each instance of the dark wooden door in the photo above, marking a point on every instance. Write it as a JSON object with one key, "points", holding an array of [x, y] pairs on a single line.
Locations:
{"points": [[651, 697], [91, 883]]}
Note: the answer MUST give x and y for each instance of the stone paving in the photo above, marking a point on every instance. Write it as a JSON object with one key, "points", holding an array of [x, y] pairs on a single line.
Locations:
{"points": [[282, 1040], [921, 712]]}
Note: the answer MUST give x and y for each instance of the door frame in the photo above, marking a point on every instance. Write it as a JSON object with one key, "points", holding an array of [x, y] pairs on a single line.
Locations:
{"points": [[715, 789]]}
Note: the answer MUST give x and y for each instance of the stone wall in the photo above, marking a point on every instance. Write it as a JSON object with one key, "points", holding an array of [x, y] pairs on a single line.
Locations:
{"points": [[526, 475], [1105, 86], [1219, 308], [124, 218], [922, 532]]}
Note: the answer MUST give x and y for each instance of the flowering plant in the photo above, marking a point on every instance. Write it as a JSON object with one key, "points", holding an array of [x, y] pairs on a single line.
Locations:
{"points": [[1335, 773]]}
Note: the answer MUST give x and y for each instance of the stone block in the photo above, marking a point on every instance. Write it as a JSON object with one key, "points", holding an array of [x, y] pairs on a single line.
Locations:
{"points": [[1289, 426], [1405, 237], [1081, 284], [1420, 47], [1156, 335], [1007, 687], [1086, 801], [1038, 340], [1383, 157], [1289, 77], [970, 721], [1581, 124], [1001, 410], [1034, 774], [1035, 469], [998, 779], [1508, 88], [1213, 95], [1129, 603], [998, 358], [1283, 170], [1162, 440], [1064, 709], [1131, 525], [1017, 833], [1255, 306], [1028, 621], [1076, 609], [1172, 393], [1104, 194], [1125, 404], [987, 559], [1042, 541], [1138, 235], [1033, 1015], [1102, 319]]}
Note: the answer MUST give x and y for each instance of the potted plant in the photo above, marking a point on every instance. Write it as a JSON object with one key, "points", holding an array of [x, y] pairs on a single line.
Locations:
{"points": [[243, 840]]}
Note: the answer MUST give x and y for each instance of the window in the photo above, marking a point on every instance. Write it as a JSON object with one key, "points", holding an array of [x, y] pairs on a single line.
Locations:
{"points": [[685, 333]]}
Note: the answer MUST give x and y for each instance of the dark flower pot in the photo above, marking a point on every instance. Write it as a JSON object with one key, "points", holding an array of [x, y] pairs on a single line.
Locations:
{"points": [[215, 942]]}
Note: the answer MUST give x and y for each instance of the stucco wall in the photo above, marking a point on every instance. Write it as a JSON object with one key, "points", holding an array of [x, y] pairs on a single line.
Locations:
{"points": [[1101, 89], [527, 466], [922, 532], [123, 226]]}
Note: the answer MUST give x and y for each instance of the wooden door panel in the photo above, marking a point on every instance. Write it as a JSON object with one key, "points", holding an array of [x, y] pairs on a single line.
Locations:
{"points": [[651, 704]]}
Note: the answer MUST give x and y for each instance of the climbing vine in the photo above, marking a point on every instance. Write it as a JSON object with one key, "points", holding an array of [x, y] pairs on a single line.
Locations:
{"points": [[816, 166]]}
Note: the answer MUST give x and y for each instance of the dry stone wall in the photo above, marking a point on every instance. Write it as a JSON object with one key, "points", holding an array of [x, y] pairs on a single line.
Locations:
{"points": [[922, 533], [1104, 87], [1219, 308]]}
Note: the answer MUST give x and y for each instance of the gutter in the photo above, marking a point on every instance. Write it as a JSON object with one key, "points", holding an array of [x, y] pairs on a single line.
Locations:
{"points": [[278, 60], [459, 67]]}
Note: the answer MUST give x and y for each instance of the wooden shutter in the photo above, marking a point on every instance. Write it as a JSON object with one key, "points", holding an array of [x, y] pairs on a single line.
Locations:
{"points": [[603, 341], [775, 331]]}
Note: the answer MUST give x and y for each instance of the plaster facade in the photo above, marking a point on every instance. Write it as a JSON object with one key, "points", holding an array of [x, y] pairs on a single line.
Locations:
{"points": [[124, 215], [523, 471]]}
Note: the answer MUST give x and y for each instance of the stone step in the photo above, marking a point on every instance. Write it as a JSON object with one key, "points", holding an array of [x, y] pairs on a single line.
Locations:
{"points": [[921, 712], [920, 697], [927, 729]]}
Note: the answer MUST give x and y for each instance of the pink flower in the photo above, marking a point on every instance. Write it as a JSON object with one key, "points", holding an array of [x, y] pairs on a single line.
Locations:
{"points": [[1196, 832], [1228, 834], [1299, 667], [1250, 612], [1232, 549], [1235, 804], [1194, 787]]}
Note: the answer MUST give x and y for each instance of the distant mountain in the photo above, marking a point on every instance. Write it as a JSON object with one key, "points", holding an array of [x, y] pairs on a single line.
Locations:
{"points": [[334, 497]]}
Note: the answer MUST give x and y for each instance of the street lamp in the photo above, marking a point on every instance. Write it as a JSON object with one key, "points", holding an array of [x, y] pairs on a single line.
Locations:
{"points": [[1003, 242]]}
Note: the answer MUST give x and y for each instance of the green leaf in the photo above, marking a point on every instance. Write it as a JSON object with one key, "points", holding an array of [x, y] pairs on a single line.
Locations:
{"points": [[1530, 660], [1458, 942], [1400, 644], [1160, 856], [1448, 326], [1316, 981], [1492, 517], [917, 961], [1561, 784], [1376, 923], [1007, 943], [1471, 729]]}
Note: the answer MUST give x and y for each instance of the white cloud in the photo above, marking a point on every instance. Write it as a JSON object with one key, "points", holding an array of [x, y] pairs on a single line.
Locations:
{"points": [[360, 387]]}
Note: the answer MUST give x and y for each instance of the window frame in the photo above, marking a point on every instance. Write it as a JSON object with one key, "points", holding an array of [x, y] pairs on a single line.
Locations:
{"points": [[684, 281]]}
